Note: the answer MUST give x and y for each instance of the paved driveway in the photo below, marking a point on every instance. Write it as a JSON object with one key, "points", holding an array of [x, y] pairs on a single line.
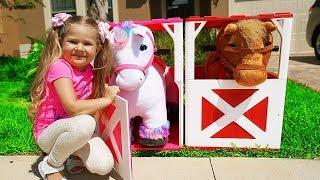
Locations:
{"points": [[304, 69]]}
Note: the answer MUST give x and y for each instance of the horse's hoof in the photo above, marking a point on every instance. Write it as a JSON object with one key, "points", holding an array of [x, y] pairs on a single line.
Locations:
{"points": [[153, 142]]}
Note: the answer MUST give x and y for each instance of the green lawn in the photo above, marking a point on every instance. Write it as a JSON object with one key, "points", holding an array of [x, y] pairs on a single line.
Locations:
{"points": [[300, 137], [15, 127]]}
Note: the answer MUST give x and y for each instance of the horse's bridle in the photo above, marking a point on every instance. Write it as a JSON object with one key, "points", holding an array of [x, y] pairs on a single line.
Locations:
{"points": [[134, 66], [242, 50], [229, 67]]}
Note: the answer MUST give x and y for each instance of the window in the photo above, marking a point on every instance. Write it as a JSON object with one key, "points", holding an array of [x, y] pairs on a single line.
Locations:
{"points": [[179, 2], [67, 6], [180, 8]]}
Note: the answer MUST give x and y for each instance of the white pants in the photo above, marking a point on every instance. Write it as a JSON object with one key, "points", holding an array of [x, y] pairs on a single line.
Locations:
{"points": [[74, 136]]}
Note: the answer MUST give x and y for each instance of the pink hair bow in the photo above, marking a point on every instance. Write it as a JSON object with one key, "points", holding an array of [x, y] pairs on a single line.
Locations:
{"points": [[104, 30], [59, 19]]}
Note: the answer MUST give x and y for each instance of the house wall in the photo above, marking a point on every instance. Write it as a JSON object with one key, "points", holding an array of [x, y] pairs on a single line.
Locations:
{"points": [[10, 36], [15, 32], [140, 9], [134, 10], [221, 9], [34, 25]]}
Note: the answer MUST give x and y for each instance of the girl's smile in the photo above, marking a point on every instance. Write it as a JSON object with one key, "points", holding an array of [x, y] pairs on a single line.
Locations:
{"points": [[79, 46]]}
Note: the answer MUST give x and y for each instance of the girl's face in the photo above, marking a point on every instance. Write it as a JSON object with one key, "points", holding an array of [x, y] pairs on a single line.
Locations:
{"points": [[79, 46]]}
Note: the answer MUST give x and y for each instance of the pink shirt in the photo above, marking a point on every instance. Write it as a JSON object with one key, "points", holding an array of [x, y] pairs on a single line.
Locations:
{"points": [[51, 108]]}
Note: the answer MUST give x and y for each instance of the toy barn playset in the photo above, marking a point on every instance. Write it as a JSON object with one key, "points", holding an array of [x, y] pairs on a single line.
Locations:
{"points": [[246, 112], [241, 105]]}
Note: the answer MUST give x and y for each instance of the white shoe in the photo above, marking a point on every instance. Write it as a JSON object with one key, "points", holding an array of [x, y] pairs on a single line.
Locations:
{"points": [[45, 169]]}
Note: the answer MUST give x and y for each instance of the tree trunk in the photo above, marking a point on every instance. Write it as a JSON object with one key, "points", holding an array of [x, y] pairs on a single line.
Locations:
{"points": [[98, 9]]}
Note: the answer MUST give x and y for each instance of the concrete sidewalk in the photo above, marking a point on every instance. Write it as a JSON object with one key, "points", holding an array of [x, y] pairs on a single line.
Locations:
{"points": [[25, 167], [303, 68]]}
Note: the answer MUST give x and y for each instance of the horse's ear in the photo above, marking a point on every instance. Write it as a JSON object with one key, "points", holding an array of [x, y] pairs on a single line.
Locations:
{"points": [[269, 26], [138, 31], [230, 28]]}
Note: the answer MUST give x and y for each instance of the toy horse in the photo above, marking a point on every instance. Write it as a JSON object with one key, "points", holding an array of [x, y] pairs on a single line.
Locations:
{"points": [[243, 52], [140, 81]]}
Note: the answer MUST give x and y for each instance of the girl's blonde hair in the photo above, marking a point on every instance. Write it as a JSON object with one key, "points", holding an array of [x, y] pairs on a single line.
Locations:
{"points": [[52, 51]]}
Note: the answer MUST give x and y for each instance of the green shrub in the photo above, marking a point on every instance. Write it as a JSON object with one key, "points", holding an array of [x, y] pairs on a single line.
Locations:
{"points": [[20, 69], [164, 41], [11, 68], [14, 69], [32, 60], [5, 60], [206, 37]]}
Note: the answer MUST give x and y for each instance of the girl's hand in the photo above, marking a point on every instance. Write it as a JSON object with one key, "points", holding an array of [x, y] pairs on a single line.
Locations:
{"points": [[111, 92]]}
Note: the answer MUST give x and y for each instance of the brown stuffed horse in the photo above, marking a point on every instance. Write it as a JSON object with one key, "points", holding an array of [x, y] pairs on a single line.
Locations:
{"points": [[243, 52]]}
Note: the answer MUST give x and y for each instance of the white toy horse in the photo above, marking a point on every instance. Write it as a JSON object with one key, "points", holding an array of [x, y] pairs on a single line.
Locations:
{"points": [[140, 82]]}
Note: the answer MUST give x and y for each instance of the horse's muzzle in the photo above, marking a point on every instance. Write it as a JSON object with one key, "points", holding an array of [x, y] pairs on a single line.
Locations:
{"points": [[250, 76], [130, 79]]}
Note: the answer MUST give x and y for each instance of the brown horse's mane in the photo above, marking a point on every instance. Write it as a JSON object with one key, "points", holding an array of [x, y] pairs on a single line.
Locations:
{"points": [[252, 31]]}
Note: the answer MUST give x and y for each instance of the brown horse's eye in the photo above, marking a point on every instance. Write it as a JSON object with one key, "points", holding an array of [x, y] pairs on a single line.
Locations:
{"points": [[267, 43], [232, 45]]}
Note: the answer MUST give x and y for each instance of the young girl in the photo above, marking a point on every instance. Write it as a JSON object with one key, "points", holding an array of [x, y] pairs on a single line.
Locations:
{"points": [[67, 91]]}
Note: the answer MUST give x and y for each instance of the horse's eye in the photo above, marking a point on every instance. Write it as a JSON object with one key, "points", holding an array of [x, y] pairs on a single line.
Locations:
{"points": [[143, 47], [267, 43], [232, 45]]}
